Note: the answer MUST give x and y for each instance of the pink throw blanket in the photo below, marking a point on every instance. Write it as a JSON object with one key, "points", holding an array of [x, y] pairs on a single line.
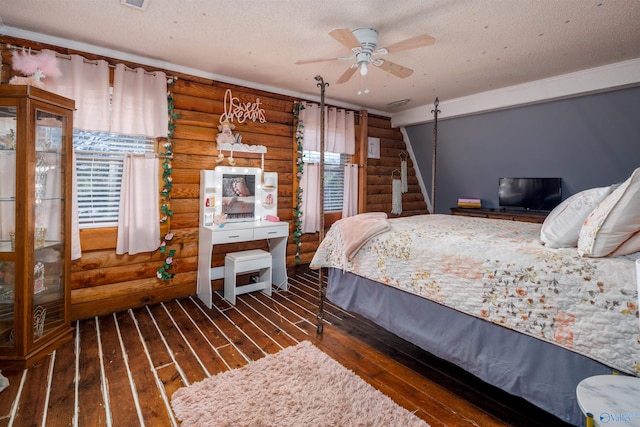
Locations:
{"points": [[359, 229]]}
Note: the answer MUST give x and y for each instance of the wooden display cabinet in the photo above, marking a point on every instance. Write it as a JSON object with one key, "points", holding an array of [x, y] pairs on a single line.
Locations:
{"points": [[35, 223]]}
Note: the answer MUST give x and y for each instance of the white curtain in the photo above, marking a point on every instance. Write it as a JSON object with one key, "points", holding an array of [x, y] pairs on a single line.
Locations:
{"points": [[310, 184], [86, 82], [339, 134], [310, 118], [350, 195], [76, 248], [139, 104], [138, 218], [138, 107]]}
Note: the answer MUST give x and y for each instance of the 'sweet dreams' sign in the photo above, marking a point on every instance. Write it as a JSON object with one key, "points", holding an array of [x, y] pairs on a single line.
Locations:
{"points": [[241, 111]]}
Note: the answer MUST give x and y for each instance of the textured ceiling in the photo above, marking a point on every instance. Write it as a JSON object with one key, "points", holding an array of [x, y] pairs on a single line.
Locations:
{"points": [[480, 45]]}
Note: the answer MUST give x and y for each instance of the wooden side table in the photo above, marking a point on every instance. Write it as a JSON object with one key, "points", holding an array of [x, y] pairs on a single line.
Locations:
{"points": [[523, 216], [610, 400]]}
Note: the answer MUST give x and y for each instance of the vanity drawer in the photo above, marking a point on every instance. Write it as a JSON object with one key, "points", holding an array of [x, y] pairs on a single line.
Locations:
{"points": [[281, 230], [231, 236]]}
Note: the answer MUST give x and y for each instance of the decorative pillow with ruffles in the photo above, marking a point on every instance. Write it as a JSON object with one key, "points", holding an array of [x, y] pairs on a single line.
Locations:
{"points": [[613, 221]]}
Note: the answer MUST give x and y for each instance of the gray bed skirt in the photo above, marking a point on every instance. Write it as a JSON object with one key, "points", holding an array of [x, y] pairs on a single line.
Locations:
{"points": [[542, 373]]}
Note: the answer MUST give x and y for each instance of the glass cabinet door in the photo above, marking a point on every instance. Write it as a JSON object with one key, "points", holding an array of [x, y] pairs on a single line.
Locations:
{"points": [[35, 190], [7, 222], [48, 238]]}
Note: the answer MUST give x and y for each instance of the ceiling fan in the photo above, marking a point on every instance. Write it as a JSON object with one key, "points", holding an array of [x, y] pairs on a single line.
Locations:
{"points": [[363, 44]]}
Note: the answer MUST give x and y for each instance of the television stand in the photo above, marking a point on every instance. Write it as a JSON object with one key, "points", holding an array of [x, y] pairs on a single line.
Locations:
{"points": [[523, 216]]}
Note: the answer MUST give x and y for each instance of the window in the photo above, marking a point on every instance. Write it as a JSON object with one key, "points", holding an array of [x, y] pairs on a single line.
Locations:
{"points": [[333, 177], [99, 163]]}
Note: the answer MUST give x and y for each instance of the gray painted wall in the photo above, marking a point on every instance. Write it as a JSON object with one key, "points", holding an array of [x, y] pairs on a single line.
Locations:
{"points": [[588, 141]]}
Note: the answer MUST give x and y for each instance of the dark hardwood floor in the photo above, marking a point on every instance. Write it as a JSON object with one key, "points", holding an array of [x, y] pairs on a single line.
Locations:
{"points": [[122, 369]]}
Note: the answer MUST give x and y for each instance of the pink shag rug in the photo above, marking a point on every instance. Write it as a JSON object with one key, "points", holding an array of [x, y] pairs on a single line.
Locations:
{"points": [[299, 386]]}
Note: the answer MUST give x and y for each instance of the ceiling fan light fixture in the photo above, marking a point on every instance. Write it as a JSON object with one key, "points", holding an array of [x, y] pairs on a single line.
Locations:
{"points": [[364, 69]]}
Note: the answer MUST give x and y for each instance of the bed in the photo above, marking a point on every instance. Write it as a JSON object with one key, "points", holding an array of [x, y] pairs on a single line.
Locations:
{"points": [[486, 295]]}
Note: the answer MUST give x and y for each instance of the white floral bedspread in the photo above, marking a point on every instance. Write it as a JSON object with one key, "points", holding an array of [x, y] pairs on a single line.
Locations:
{"points": [[498, 270]]}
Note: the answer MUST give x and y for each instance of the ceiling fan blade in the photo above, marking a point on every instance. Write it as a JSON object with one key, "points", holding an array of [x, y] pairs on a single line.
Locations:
{"points": [[347, 74], [312, 61], [412, 43], [395, 69], [345, 37]]}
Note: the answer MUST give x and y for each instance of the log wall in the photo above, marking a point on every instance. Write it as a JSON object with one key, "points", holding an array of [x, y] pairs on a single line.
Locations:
{"points": [[103, 282]]}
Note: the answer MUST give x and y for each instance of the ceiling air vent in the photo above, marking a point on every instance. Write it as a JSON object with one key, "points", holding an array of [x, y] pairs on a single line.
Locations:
{"points": [[400, 103], [136, 4]]}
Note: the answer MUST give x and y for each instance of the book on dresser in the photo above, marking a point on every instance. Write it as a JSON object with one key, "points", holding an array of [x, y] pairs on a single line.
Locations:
{"points": [[469, 203]]}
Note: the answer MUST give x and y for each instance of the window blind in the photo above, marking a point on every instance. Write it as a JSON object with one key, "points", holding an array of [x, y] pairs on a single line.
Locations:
{"points": [[333, 177], [99, 163]]}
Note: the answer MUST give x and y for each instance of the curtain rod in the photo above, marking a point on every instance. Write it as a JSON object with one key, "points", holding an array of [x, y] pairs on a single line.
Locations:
{"points": [[355, 112], [122, 153], [339, 164], [88, 61]]}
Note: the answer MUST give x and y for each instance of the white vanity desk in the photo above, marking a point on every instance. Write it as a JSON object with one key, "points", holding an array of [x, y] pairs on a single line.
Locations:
{"points": [[275, 233], [239, 194]]}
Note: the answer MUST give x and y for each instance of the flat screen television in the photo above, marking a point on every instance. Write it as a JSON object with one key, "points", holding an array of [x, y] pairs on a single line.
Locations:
{"points": [[536, 194]]}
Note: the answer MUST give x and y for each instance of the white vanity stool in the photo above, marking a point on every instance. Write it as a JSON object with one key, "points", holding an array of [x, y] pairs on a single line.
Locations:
{"points": [[243, 262]]}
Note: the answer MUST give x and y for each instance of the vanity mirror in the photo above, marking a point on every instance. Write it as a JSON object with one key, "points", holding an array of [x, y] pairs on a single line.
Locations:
{"points": [[238, 198], [238, 193]]}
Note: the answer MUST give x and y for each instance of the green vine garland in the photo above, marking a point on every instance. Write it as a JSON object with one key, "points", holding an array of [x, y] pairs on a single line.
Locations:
{"points": [[167, 155], [297, 211]]}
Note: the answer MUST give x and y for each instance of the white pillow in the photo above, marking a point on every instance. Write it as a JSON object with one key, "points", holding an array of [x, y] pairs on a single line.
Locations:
{"points": [[561, 228], [613, 221], [631, 245]]}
